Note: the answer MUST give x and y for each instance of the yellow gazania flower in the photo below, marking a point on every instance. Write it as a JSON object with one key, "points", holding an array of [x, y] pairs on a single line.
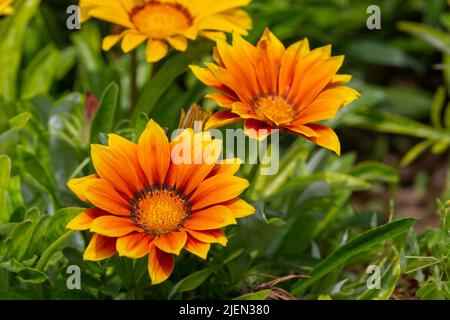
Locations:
{"points": [[271, 87], [146, 203], [6, 7], [163, 22]]}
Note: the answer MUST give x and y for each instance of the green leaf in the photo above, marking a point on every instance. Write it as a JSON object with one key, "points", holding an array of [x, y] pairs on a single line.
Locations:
{"points": [[335, 180], [10, 138], [34, 168], [5, 174], [354, 247], [436, 107], [13, 32], [259, 295], [24, 273], [104, 117], [192, 281], [389, 278], [39, 74], [390, 123], [435, 37], [415, 152], [156, 87], [375, 171]]}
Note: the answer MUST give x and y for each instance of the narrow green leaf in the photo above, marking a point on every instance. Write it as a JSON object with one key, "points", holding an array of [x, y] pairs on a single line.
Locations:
{"points": [[259, 295], [171, 70], [436, 107], [354, 247], [390, 123], [104, 117], [335, 180], [39, 74], [375, 171], [389, 278], [13, 32], [435, 37], [415, 152], [192, 281], [5, 174]]}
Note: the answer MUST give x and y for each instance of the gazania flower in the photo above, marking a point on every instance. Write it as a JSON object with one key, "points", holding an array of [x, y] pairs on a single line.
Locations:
{"points": [[271, 87], [147, 202], [167, 22], [6, 7]]}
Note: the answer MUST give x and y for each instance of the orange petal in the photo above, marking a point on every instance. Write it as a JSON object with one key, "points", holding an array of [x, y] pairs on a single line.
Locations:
{"points": [[135, 245], [209, 236], [221, 118], [239, 208], [100, 193], [327, 138], [113, 226], [160, 265], [316, 80], [327, 104], [154, 153], [211, 218], [256, 129], [209, 154], [172, 242], [100, 248], [227, 166], [299, 128], [197, 247], [127, 152], [216, 189], [221, 99], [84, 220], [109, 167], [288, 64], [77, 186]]}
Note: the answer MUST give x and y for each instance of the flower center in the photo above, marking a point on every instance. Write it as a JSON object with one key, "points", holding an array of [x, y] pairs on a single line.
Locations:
{"points": [[275, 109], [160, 20], [160, 210]]}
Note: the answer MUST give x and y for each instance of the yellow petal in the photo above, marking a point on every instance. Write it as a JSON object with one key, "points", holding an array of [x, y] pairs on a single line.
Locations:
{"points": [[180, 43], [327, 138], [131, 40], [239, 208], [156, 50]]}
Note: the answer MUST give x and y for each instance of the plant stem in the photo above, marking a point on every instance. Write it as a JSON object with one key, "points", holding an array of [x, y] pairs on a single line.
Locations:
{"points": [[134, 89], [42, 262]]}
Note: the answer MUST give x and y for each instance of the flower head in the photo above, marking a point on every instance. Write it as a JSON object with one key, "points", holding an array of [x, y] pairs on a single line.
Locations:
{"points": [[167, 22], [6, 7], [273, 87], [149, 202]]}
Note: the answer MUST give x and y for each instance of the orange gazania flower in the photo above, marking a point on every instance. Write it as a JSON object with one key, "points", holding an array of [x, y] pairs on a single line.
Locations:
{"points": [[147, 203], [167, 22], [271, 87], [6, 7]]}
